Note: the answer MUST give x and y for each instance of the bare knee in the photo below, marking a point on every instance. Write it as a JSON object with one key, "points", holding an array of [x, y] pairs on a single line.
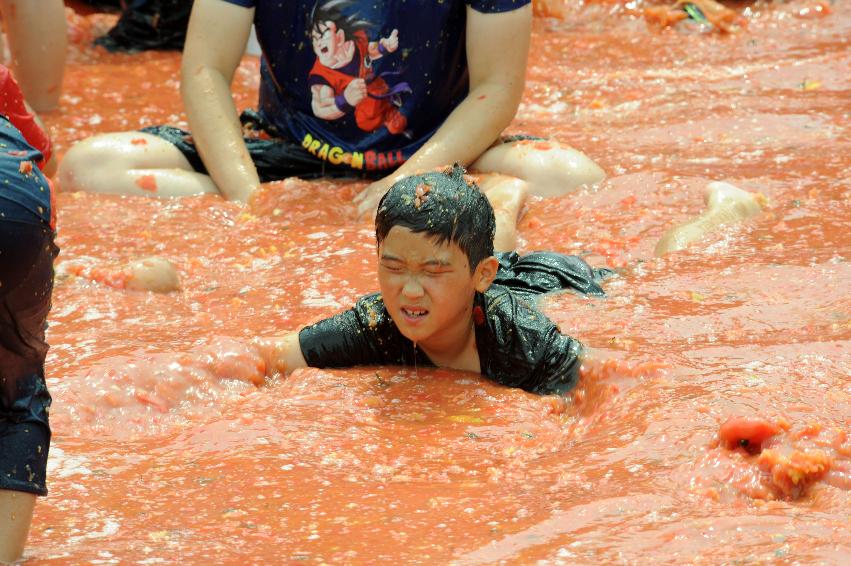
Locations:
{"points": [[90, 162], [505, 193], [153, 274], [550, 168], [98, 163]]}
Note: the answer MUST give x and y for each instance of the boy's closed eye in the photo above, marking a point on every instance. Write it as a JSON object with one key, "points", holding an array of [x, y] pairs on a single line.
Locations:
{"points": [[437, 270], [392, 265], [430, 269]]}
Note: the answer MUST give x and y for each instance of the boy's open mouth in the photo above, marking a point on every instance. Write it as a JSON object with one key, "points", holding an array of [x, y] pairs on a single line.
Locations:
{"points": [[414, 312]]}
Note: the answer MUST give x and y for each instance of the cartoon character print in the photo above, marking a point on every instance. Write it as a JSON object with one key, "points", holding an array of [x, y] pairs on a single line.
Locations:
{"points": [[342, 80]]}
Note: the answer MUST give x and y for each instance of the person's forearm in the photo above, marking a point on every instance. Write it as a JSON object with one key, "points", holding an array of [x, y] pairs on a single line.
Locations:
{"points": [[38, 40], [282, 354], [468, 131], [217, 132]]}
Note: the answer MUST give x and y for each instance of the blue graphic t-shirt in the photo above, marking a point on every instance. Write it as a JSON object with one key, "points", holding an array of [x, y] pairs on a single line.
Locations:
{"points": [[363, 83]]}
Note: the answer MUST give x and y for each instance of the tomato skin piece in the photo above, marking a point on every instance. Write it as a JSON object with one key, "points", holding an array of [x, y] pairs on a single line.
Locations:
{"points": [[147, 183], [746, 432]]}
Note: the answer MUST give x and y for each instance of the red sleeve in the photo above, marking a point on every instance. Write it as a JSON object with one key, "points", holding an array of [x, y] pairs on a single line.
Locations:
{"points": [[12, 105]]}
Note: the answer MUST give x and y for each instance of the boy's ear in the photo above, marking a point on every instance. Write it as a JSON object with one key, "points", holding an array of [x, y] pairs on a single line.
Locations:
{"points": [[485, 273]]}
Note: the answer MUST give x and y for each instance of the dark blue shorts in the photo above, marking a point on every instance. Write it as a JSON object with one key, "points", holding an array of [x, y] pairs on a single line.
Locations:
{"points": [[27, 251], [274, 156]]}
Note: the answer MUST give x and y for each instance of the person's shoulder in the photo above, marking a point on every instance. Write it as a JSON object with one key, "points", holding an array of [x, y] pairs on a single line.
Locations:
{"points": [[318, 69], [513, 311], [353, 337]]}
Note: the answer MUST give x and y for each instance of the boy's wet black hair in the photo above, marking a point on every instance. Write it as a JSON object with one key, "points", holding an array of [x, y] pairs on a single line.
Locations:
{"points": [[444, 206], [335, 11]]}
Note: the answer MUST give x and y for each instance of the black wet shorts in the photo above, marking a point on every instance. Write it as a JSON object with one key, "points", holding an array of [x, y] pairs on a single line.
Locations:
{"points": [[27, 251], [274, 156]]}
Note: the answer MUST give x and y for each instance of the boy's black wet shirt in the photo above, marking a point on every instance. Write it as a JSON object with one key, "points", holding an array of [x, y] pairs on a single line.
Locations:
{"points": [[518, 346]]}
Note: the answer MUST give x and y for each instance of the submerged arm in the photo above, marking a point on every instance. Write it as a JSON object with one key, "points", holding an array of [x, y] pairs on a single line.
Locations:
{"points": [[281, 353]]}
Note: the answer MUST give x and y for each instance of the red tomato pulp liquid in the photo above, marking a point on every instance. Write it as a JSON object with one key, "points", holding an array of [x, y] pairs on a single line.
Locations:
{"points": [[160, 456]]}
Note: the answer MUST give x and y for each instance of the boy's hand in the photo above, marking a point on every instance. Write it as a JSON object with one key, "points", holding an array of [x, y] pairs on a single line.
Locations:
{"points": [[368, 199], [355, 92], [281, 354], [266, 348], [229, 358], [391, 42]]}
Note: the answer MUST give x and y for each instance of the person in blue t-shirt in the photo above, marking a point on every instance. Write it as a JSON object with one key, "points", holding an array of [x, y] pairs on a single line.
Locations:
{"points": [[378, 90]]}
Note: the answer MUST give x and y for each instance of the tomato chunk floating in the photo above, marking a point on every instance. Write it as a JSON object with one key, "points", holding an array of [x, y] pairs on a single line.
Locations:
{"points": [[747, 432]]}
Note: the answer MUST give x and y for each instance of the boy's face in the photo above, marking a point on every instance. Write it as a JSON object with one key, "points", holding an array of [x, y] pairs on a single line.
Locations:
{"points": [[428, 288], [327, 40]]}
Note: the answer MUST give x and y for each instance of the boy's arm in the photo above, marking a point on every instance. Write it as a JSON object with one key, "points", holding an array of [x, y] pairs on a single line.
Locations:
{"points": [[38, 40], [388, 44], [215, 42], [497, 47], [362, 335], [324, 103], [282, 353]]}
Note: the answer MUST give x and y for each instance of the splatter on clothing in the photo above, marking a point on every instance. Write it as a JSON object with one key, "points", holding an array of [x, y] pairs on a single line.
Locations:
{"points": [[21, 182]]}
